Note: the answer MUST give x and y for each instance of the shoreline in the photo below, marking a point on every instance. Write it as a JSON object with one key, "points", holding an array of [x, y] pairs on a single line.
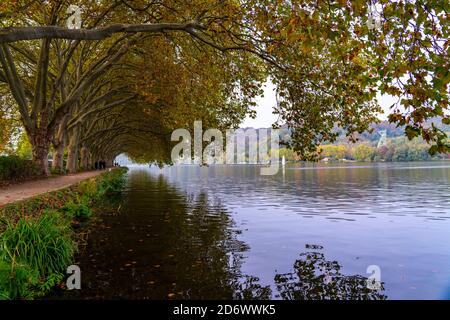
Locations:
{"points": [[53, 224]]}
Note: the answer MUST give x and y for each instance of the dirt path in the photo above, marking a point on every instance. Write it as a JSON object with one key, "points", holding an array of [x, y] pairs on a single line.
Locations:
{"points": [[30, 189]]}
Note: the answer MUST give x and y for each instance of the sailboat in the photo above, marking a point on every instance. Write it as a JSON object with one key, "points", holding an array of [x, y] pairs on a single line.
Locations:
{"points": [[283, 161]]}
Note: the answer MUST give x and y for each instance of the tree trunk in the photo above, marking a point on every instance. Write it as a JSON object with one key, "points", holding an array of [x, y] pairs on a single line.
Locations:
{"points": [[40, 146], [72, 155], [59, 143], [109, 163], [91, 161], [84, 158], [58, 156]]}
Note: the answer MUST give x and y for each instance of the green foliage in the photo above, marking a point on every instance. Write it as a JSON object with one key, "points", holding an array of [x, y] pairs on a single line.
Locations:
{"points": [[397, 150], [16, 280], [289, 154], [90, 189], [9, 126], [24, 147], [334, 151], [44, 243], [363, 152], [76, 210], [51, 281], [61, 171], [113, 182], [336, 62], [37, 250], [16, 168]]}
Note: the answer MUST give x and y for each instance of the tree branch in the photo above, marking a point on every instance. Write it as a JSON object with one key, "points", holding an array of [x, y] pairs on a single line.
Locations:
{"points": [[14, 34], [15, 84]]}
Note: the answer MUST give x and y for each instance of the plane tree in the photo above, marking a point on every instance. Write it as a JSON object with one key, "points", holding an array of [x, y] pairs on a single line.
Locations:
{"points": [[328, 60], [338, 55]]}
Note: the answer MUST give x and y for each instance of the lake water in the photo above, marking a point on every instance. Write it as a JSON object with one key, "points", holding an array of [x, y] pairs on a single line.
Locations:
{"points": [[310, 232]]}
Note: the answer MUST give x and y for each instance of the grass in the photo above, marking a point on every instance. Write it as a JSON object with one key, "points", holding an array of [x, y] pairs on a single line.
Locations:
{"points": [[37, 242], [37, 251], [43, 243]]}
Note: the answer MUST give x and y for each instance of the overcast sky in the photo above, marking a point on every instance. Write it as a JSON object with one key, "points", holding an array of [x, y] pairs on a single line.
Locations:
{"points": [[265, 118]]}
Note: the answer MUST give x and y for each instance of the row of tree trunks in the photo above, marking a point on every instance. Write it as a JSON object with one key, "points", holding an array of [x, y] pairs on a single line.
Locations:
{"points": [[79, 157]]}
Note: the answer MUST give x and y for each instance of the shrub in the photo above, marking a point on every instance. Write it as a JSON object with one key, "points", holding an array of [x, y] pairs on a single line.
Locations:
{"points": [[16, 168], [114, 182], [90, 189], [76, 210], [16, 280]]}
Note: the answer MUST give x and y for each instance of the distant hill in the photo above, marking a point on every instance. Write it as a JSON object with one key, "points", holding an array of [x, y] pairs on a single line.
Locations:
{"points": [[396, 146], [392, 131]]}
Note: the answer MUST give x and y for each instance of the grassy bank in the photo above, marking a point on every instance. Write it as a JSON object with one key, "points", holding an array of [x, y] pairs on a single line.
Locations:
{"points": [[38, 237]]}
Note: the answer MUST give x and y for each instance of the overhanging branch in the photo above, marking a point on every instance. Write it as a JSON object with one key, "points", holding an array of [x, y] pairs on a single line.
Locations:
{"points": [[55, 32]]}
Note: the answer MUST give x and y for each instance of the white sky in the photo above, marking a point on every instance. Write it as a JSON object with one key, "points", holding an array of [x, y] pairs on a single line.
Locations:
{"points": [[265, 105]]}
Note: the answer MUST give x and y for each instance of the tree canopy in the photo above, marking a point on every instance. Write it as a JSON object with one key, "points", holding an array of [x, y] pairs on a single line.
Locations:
{"points": [[137, 70]]}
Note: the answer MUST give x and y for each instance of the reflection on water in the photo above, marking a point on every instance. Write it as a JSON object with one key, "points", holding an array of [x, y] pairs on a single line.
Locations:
{"points": [[315, 278], [226, 232], [165, 244]]}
